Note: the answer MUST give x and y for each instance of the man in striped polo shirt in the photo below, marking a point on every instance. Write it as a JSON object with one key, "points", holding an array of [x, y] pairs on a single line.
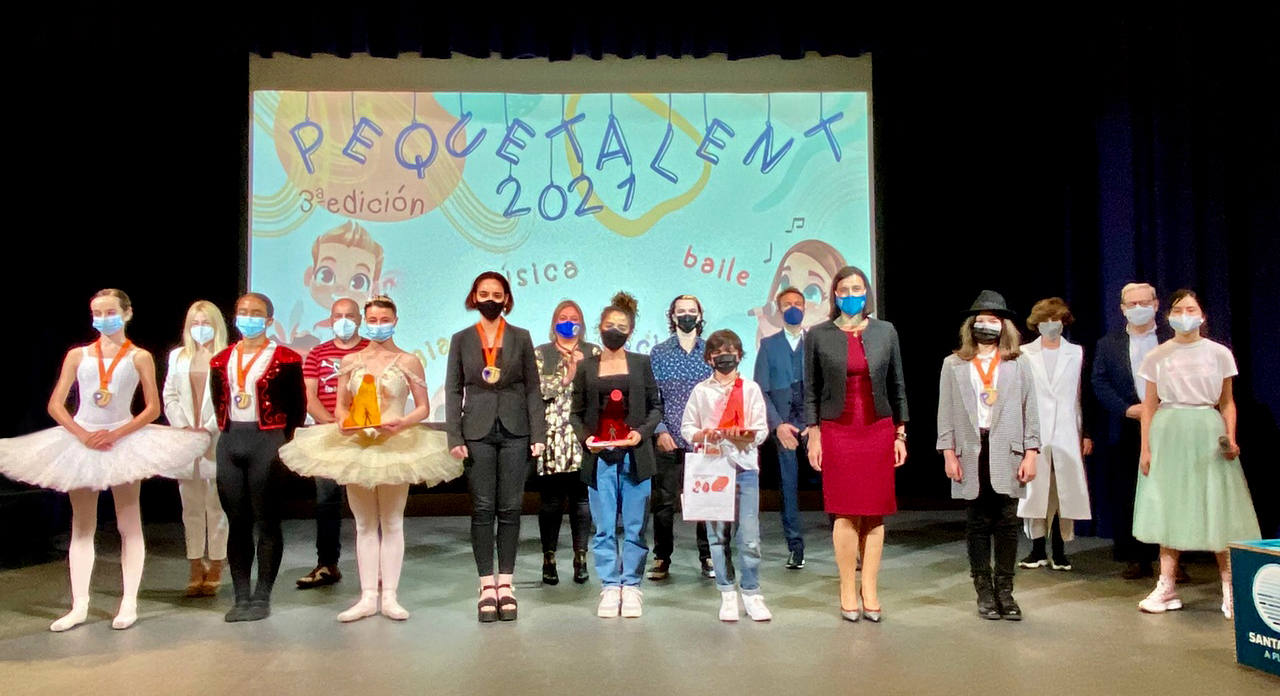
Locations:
{"points": [[320, 372]]}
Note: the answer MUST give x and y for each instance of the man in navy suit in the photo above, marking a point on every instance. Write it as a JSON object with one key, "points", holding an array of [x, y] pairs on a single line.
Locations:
{"points": [[780, 374], [1119, 391]]}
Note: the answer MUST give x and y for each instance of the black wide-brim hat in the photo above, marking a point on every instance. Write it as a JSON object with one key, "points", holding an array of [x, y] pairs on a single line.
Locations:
{"points": [[991, 302]]}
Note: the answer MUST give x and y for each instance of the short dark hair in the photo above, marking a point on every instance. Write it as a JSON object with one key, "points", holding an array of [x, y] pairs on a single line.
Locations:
{"points": [[789, 290], [671, 312], [840, 275], [1182, 294], [1050, 309], [491, 275], [722, 339], [271, 309]]}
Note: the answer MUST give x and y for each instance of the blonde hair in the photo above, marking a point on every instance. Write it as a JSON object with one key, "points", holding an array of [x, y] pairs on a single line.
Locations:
{"points": [[1008, 344], [215, 318], [1137, 286], [350, 234]]}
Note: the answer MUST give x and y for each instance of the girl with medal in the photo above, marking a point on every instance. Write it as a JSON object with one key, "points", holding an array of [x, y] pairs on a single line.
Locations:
{"points": [[103, 446], [495, 420], [989, 436]]}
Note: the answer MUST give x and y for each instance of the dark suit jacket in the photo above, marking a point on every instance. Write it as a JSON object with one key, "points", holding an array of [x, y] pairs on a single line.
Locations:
{"points": [[775, 374], [826, 363], [471, 404], [644, 411], [1112, 381], [281, 394]]}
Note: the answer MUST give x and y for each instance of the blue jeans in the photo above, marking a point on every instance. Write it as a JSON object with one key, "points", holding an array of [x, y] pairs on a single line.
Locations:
{"points": [[617, 491], [746, 536], [789, 476]]}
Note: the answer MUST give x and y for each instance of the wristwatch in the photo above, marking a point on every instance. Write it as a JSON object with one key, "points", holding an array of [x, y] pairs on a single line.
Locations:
{"points": [[901, 436]]}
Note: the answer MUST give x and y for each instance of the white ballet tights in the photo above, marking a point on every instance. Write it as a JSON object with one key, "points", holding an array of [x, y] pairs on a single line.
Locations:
{"points": [[80, 556], [378, 555]]}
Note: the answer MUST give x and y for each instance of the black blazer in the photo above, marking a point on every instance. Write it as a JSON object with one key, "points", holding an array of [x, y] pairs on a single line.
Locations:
{"points": [[1112, 380], [644, 412], [471, 404], [826, 364]]}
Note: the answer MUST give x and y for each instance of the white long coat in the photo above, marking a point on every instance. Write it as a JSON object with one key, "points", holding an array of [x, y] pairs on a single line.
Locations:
{"points": [[1058, 400], [178, 410]]}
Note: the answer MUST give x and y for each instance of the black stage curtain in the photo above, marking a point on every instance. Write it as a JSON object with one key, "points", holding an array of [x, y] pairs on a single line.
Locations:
{"points": [[1034, 156]]}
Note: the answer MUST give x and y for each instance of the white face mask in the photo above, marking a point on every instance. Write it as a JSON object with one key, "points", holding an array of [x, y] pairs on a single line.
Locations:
{"points": [[344, 329], [1050, 329], [1139, 315], [201, 333], [1185, 323]]}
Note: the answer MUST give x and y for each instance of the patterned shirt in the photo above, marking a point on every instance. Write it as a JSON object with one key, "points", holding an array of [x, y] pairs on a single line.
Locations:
{"points": [[677, 373], [322, 365]]}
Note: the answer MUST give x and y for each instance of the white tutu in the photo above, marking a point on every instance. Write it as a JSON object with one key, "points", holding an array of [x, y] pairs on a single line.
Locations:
{"points": [[54, 458], [415, 454]]}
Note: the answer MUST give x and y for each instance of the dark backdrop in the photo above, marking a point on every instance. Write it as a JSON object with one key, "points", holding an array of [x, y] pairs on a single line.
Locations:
{"points": [[1034, 156]]}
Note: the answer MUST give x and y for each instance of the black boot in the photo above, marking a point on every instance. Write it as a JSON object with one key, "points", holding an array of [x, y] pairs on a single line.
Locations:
{"points": [[1009, 609], [986, 596], [580, 567], [549, 575]]}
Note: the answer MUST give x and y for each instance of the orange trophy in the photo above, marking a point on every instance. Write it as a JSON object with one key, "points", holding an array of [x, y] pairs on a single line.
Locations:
{"points": [[364, 411]]}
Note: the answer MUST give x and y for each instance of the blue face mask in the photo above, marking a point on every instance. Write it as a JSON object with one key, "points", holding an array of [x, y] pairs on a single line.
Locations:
{"points": [[852, 305], [378, 332], [251, 327], [793, 316], [201, 333], [109, 324], [568, 329], [344, 328]]}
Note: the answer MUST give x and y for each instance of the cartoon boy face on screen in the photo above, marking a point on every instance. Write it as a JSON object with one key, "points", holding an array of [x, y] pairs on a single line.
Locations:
{"points": [[808, 265], [345, 262]]}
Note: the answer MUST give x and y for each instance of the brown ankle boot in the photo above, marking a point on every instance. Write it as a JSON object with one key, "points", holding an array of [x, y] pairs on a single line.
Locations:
{"points": [[196, 581], [212, 579]]}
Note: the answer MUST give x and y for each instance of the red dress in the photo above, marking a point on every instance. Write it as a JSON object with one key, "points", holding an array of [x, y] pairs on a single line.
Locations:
{"points": [[857, 448]]}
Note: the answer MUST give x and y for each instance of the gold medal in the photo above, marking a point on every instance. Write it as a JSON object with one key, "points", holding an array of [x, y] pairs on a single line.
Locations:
{"points": [[101, 398], [989, 396], [491, 374], [243, 400]]}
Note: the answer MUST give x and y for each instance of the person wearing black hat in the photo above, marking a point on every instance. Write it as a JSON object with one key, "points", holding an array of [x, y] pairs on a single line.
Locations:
{"points": [[989, 435]]}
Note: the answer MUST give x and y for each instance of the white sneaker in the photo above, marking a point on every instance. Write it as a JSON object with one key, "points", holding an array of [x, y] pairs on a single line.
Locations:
{"points": [[1163, 598], [610, 597], [729, 605], [632, 602], [1226, 600], [756, 608]]}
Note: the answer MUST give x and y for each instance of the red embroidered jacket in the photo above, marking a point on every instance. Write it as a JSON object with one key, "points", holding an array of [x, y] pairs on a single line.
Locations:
{"points": [[280, 393]]}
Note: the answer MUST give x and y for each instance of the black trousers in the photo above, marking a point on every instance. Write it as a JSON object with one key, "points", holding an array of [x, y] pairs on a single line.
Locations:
{"points": [[1122, 486], [555, 491], [249, 484], [496, 469], [328, 521], [991, 517], [667, 484]]}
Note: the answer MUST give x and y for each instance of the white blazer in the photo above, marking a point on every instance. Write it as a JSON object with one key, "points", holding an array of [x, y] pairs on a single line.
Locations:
{"points": [[178, 410], [1058, 399]]}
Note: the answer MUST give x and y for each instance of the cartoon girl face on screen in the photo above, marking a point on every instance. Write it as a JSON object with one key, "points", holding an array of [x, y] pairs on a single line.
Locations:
{"points": [[808, 265], [345, 262]]}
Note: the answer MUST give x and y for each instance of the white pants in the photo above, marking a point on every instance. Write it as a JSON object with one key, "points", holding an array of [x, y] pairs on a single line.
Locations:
{"points": [[1037, 528], [201, 513]]}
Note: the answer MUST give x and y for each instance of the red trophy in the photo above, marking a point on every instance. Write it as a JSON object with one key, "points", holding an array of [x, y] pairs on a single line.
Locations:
{"points": [[613, 429]]}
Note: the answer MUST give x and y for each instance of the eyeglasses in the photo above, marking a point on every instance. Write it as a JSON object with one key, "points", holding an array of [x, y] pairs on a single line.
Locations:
{"points": [[1139, 303]]}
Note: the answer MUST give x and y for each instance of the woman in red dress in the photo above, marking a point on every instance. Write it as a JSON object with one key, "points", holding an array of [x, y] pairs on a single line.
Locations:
{"points": [[856, 409]]}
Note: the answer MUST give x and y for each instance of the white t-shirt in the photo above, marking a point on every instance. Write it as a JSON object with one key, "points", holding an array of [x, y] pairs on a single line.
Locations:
{"points": [[1050, 356], [1189, 374], [984, 411], [247, 415], [1139, 346]]}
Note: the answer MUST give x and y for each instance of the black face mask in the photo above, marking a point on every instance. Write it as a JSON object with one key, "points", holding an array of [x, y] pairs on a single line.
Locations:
{"points": [[613, 339], [687, 323], [490, 310], [985, 336], [725, 363]]}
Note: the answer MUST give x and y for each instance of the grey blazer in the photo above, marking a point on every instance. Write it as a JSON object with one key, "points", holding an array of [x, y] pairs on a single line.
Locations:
{"points": [[472, 405], [1015, 425], [826, 364]]}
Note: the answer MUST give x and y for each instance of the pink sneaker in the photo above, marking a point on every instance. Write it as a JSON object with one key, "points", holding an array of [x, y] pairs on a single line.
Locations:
{"points": [[1163, 598]]}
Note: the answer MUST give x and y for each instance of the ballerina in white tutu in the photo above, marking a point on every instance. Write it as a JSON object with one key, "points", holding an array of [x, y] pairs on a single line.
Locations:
{"points": [[376, 464], [103, 446]]}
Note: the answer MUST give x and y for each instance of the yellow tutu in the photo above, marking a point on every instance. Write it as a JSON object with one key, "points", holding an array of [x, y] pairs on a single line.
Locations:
{"points": [[414, 454]]}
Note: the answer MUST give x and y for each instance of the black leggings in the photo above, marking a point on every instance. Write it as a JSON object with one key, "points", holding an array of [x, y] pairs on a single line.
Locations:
{"points": [[992, 516], [668, 483], [555, 490], [249, 476], [496, 469]]}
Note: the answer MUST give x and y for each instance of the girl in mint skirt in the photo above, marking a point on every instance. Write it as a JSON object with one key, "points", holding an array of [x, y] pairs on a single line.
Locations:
{"points": [[1192, 495]]}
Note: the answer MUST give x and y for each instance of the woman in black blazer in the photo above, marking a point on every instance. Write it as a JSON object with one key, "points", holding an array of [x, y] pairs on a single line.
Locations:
{"points": [[615, 399], [494, 419], [856, 410]]}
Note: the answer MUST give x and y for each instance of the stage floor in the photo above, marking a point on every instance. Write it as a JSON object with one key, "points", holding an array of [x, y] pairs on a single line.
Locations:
{"points": [[1082, 634]]}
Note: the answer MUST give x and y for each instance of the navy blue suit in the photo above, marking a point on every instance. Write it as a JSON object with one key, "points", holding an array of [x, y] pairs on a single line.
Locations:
{"points": [[780, 373]]}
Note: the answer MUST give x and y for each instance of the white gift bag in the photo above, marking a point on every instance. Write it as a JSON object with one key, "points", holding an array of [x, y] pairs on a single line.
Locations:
{"points": [[709, 488]]}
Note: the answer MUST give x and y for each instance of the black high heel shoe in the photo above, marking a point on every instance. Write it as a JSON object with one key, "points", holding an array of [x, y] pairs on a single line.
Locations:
{"points": [[489, 603], [508, 608], [549, 574], [580, 574]]}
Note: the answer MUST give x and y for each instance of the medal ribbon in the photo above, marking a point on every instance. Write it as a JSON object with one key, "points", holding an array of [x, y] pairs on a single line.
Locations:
{"points": [[104, 372], [491, 352], [990, 374], [242, 370]]}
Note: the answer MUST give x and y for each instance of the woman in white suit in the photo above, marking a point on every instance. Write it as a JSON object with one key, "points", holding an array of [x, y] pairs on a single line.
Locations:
{"points": [[1059, 495], [187, 405]]}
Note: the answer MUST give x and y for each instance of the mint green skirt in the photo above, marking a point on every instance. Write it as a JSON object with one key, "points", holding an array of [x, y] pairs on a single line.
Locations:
{"points": [[1193, 499]]}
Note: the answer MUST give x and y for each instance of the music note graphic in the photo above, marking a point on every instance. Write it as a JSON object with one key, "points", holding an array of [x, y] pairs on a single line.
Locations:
{"points": [[770, 257], [797, 223]]}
